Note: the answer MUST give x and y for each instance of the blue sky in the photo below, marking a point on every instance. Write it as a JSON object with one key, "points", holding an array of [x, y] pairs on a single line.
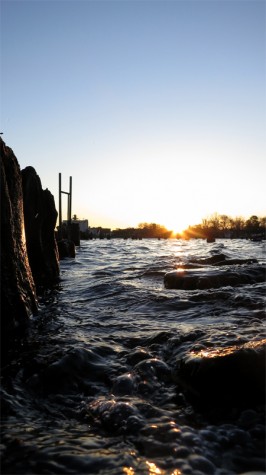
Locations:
{"points": [[157, 109]]}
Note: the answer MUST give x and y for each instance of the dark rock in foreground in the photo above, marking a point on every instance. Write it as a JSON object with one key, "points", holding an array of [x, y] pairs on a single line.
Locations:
{"points": [[204, 278], [18, 297], [40, 221], [226, 377]]}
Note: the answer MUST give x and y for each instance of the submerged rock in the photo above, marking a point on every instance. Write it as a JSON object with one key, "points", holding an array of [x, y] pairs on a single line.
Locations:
{"points": [[18, 296], [232, 376], [214, 278]]}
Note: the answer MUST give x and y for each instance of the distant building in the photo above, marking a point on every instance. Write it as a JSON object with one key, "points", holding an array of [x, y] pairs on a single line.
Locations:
{"points": [[100, 232], [85, 231], [83, 224]]}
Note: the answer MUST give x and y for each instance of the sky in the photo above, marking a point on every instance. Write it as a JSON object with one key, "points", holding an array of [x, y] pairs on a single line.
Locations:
{"points": [[156, 108]]}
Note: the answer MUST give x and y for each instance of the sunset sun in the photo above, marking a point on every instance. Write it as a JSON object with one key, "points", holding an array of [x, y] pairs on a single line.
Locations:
{"points": [[175, 228], [178, 224]]}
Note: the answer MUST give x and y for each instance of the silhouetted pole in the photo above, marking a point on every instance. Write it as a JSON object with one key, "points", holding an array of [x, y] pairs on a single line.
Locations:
{"points": [[69, 205], [70, 199]]}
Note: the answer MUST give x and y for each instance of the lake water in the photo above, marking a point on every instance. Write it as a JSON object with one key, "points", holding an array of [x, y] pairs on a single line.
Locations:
{"points": [[90, 389]]}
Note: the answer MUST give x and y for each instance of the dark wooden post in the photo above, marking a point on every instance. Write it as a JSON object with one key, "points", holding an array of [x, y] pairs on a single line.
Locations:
{"points": [[60, 210], [70, 199]]}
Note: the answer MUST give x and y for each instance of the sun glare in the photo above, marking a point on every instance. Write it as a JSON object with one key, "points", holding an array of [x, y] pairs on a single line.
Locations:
{"points": [[177, 221], [176, 228], [177, 231]]}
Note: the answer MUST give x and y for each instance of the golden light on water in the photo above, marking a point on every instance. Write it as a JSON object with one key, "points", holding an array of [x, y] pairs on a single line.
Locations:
{"points": [[128, 470], [153, 469], [175, 429], [216, 352]]}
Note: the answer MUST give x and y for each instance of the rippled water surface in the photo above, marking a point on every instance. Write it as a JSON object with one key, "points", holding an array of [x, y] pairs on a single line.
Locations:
{"points": [[91, 388]]}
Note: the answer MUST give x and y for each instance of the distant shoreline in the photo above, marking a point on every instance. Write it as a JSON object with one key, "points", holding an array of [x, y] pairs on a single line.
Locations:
{"points": [[217, 226]]}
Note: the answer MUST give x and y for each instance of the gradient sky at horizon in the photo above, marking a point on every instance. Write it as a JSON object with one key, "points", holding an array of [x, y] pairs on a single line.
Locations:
{"points": [[156, 108]]}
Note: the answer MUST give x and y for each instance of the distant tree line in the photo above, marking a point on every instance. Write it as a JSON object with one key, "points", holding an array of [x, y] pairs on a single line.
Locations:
{"points": [[223, 226], [144, 230], [214, 226]]}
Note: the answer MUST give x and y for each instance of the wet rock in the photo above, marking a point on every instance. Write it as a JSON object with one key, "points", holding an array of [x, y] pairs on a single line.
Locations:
{"points": [[230, 377], [40, 221], [214, 278], [18, 296]]}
